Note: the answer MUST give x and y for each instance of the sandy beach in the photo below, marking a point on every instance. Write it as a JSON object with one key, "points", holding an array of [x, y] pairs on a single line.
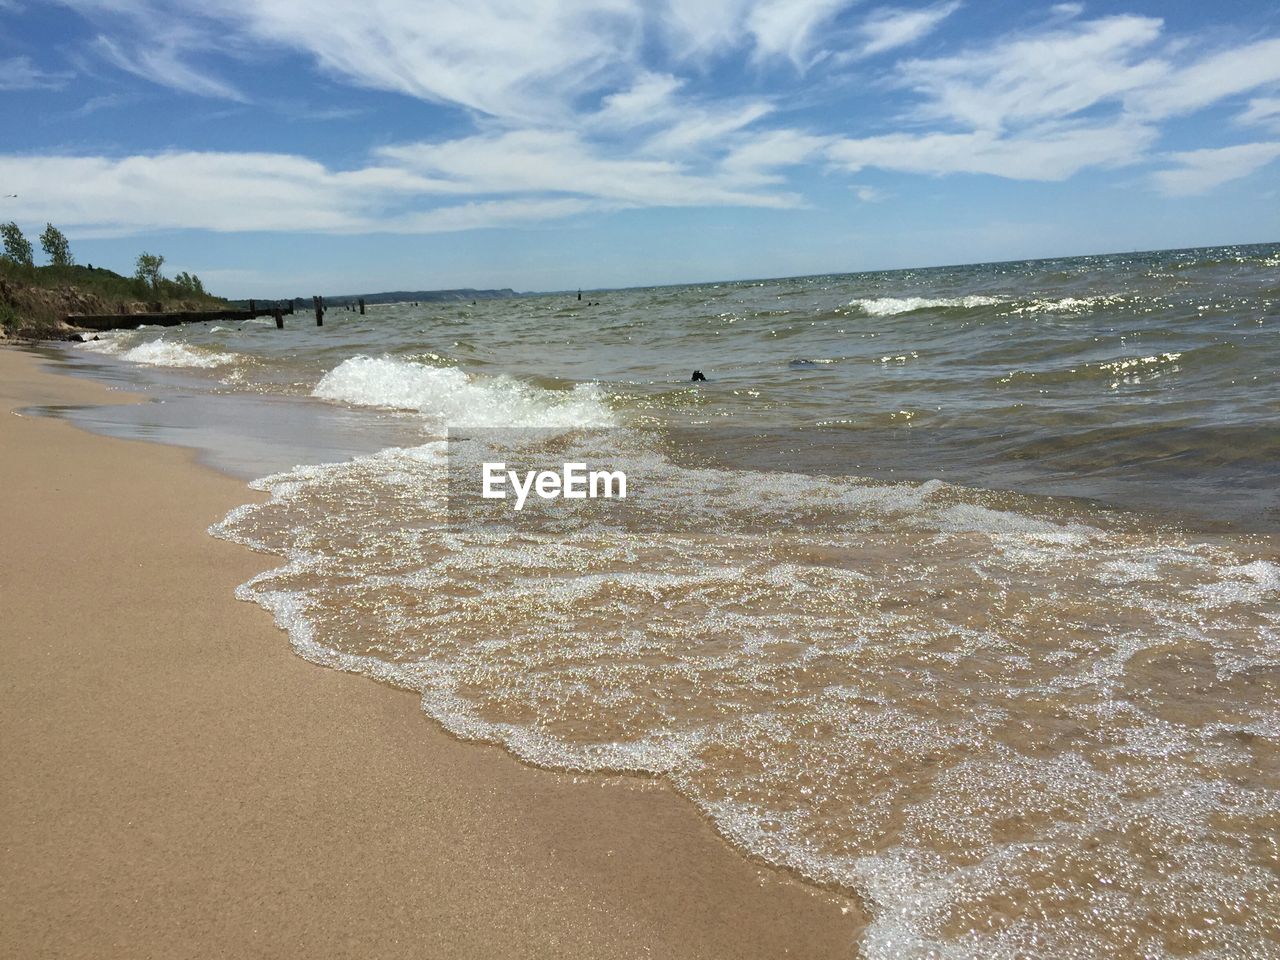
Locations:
{"points": [[177, 783]]}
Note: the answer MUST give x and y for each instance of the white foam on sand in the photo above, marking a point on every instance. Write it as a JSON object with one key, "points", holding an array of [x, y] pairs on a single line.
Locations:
{"points": [[862, 701]]}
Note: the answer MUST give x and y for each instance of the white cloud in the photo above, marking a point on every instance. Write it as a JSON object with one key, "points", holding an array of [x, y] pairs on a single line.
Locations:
{"points": [[705, 127], [1070, 96], [1121, 62], [166, 64], [650, 99], [529, 59], [1261, 111], [1040, 153], [869, 194], [682, 123], [19, 73], [1199, 171], [1224, 74], [415, 188], [698, 30], [787, 28], [91, 106], [1048, 76], [548, 161], [890, 28], [214, 191], [499, 213], [533, 60], [755, 162], [581, 106]]}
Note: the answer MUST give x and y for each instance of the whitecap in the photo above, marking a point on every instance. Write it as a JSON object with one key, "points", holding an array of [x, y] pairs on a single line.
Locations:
{"points": [[891, 306], [460, 399]]}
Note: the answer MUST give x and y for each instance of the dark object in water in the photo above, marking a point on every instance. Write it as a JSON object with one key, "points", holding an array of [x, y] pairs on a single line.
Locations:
{"points": [[697, 375], [802, 363]]}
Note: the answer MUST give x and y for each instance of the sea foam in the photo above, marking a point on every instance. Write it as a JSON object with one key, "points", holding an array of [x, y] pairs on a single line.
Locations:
{"points": [[166, 353], [159, 352], [890, 306], [459, 399], [927, 698]]}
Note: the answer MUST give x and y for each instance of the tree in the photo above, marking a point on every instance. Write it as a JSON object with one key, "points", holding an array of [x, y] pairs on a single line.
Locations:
{"points": [[148, 270], [189, 283], [16, 247], [55, 245]]}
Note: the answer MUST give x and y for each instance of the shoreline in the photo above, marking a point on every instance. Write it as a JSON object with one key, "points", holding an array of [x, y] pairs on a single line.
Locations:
{"points": [[180, 783]]}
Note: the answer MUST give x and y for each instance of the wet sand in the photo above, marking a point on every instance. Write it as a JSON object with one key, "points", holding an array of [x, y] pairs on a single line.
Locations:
{"points": [[178, 784]]}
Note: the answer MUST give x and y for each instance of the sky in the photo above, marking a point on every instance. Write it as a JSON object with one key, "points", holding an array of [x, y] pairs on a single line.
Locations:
{"points": [[290, 147]]}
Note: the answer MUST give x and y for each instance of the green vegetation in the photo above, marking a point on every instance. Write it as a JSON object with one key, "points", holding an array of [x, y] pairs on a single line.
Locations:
{"points": [[148, 269], [35, 300], [108, 285], [190, 283], [17, 248], [54, 243]]}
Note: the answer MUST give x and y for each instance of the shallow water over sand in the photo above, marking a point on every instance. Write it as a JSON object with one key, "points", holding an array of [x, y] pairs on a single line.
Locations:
{"points": [[1013, 727], [871, 632]]}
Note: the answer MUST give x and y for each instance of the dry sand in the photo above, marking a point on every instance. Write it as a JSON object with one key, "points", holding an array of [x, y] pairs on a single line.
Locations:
{"points": [[176, 783]]}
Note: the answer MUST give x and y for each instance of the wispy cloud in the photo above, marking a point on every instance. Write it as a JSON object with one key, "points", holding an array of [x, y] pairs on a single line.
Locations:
{"points": [[1050, 75], [581, 106], [1049, 103], [1210, 79], [531, 61], [769, 29], [19, 73], [869, 194], [414, 188], [1261, 111], [891, 28], [167, 64], [94, 104], [529, 161], [507, 60], [668, 121], [1199, 171], [1049, 152], [789, 28], [761, 160]]}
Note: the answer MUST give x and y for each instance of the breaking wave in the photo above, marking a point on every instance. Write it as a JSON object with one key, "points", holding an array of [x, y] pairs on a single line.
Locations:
{"points": [[891, 306], [160, 352], [458, 399]]}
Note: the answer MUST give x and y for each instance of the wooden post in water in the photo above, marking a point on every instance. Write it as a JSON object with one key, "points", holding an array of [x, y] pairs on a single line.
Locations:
{"points": [[362, 306], [319, 305], [253, 312], [279, 317]]}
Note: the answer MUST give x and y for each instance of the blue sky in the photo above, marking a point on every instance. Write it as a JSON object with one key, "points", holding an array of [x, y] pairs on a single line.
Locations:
{"points": [[282, 147]]}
